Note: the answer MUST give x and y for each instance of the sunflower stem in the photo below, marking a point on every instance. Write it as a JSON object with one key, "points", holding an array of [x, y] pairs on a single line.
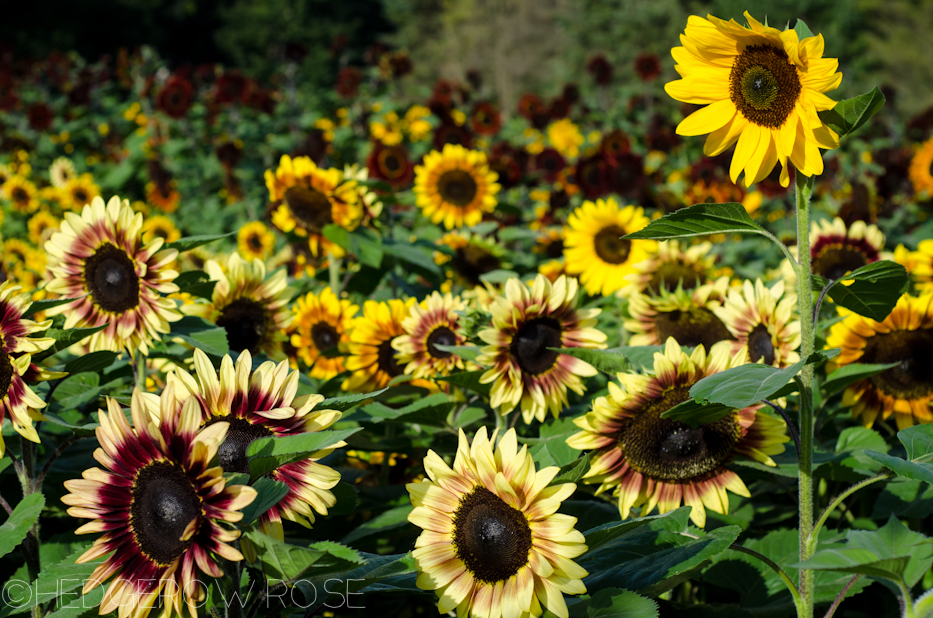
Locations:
{"points": [[141, 373], [803, 190], [774, 566], [30, 545], [841, 596], [838, 500], [333, 270]]}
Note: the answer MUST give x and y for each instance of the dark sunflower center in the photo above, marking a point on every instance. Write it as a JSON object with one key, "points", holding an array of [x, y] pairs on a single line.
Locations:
{"points": [[610, 247], [110, 277], [913, 349], [492, 538], [836, 262], [324, 336], [20, 195], [386, 359], [457, 187], [232, 453], [310, 207], [472, 261], [254, 242], [390, 163], [760, 345], [440, 336], [245, 322], [669, 450], [764, 85], [163, 504], [80, 195], [530, 345], [6, 372], [697, 326], [670, 274]]}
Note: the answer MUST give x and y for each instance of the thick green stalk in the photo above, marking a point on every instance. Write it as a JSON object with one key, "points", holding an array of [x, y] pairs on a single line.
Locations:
{"points": [[804, 186]]}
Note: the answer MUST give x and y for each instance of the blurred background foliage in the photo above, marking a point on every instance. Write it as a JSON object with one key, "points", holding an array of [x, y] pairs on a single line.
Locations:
{"points": [[518, 45]]}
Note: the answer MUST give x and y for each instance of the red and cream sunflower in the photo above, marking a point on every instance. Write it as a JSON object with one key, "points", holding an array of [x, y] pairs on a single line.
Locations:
{"points": [[322, 322], [650, 461], [101, 257], [760, 318], [836, 250], [670, 266], [432, 322], [687, 316]]}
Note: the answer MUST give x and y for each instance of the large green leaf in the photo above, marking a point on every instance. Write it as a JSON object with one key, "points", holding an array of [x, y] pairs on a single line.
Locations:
{"points": [[285, 562], [393, 518], [850, 114], [420, 257], [855, 440], [468, 380], [573, 471], [346, 402], [375, 574], [893, 540], [62, 578], [43, 305], [607, 361], [202, 334], [613, 603], [196, 283], [66, 338], [803, 31], [903, 468], [192, 242], [856, 561], [430, 410], [849, 374], [267, 454], [95, 361], [269, 492], [700, 220], [917, 441], [17, 525], [871, 291]]}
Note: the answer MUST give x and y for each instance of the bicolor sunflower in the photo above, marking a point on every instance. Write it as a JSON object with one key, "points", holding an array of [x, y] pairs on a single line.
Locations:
{"points": [[61, 171], [526, 323], [836, 250], [100, 256], [904, 337], [470, 257], [432, 322], [493, 543], [760, 318], [687, 316], [669, 266], [249, 306], [594, 249], [455, 186], [322, 323], [762, 87], [163, 509], [258, 404], [370, 355], [921, 169], [310, 198], [255, 241], [18, 402], [650, 461]]}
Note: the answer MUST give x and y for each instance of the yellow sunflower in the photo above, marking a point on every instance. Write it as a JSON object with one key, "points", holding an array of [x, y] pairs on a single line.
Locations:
{"points": [[762, 88], [455, 186], [162, 227], [669, 266], [472, 256], [493, 544], [310, 198], [920, 169], [653, 461], [760, 318], [434, 321], [370, 355], [904, 337], [41, 226], [565, 137], [61, 171], [163, 195], [594, 249], [687, 316], [922, 271], [22, 194], [322, 323], [255, 240], [79, 191], [526, 323]]}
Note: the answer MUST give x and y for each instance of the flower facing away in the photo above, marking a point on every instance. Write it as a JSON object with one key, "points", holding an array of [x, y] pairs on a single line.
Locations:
{"points": [[670, 266], [760, 318], [455, 187], [258, 404], [17, 400], [370, 355], [432, 322], [652, 461], [594, 249], [762, 88], [100, 256], [492, 543], [322, 323], [904, 337], [526, 322], [160, 504]]}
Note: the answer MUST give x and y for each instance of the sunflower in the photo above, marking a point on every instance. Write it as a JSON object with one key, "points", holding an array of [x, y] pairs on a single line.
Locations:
{"points": [[160, 505], [526, 322], [369, 200], [22, 194], [322, 323], [493, 544], [162, 227], [255, 241], [763, 88], [258, 404], [455, 186], [473, 256], [250, 307], [391, 164], [434, 321], [836, 250], [670, 266], [61, 171], [18, 401], [41, 226], [920, 171], [594, 250], [163, 195], [5, 174], [310, 198], [760, 318], [565, 137], [79, 191], [653, 461], [100, 256], [905, 337], [370, 355], [922, 271], [687, 316]]}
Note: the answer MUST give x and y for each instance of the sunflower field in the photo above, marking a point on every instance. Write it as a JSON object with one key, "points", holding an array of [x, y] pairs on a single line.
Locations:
{"points": [[649, 345]]}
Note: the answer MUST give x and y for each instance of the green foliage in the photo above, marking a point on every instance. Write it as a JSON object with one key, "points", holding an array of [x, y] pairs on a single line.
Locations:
{"points": [[17, 525], [267, 454], [193, 242], [850, 115], [202, 334], [873, 291]]}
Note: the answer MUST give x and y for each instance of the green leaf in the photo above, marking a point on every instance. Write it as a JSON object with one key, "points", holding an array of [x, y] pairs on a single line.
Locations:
{"points": [[267, 454], [82, 604], [849, 374], [468, 380], [202, 334], [393, 518], [600, 536], [907, 469], [856, 561], [337, 235], [466, 352], [196, 282], [616, 603], [42, 305], [17, 525], [802, 30], [607, 361], [281, 561], [700, 220], [418, 256], [498, 276], [367, 247], [347, 554], [430, 410], [377, 573], [346, 402], [917, 440], [849, 115], [894, 540], [641, 356], [75, 391], [192, 242], [573, 472], [67, 338], [696, 414], [874, 290], [347, 499], [95, 361], [58, 579], [269, 492], [856, 440], [542, 457]]}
